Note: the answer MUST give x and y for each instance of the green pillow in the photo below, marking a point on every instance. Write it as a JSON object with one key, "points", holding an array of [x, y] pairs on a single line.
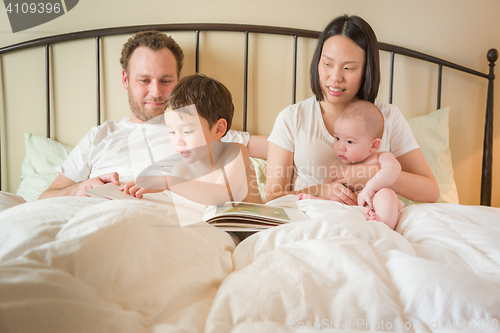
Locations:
{"points": [[260, 166], [37, 172]]}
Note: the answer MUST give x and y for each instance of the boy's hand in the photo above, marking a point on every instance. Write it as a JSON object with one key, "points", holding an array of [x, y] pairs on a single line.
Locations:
{"points": [[365, 197], [136, 191]]}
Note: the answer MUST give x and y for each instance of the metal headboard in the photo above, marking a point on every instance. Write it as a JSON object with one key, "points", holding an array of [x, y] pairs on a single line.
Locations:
{"points": [[492, 56]]}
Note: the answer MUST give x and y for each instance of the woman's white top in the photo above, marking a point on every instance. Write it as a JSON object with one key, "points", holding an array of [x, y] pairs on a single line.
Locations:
{"points": [[300, 129]]}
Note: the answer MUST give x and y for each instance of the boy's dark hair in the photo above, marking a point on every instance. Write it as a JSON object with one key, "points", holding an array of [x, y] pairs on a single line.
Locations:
{"points": [[360, 32], [155, 41], [212, 99]]}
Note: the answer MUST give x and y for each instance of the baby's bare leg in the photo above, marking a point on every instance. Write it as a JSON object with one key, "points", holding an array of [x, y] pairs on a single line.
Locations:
{"points": [[386, 205]]}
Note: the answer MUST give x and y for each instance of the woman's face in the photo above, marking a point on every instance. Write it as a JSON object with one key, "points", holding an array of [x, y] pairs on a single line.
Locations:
{"points": [[341, 69]]}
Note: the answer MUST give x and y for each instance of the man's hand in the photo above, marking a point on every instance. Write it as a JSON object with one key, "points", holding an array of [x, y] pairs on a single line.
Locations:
{"points": [[63, 186], [95, 182]]}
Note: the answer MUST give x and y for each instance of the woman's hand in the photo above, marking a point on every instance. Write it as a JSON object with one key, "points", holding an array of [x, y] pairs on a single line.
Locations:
{"points": [[335, 191], [354, 176]]}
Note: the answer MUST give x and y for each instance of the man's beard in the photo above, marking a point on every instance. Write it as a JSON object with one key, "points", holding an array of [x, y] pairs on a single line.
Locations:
{"points": [[139, 109]]}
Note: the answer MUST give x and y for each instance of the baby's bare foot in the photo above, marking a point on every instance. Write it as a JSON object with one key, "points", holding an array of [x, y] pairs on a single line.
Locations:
{"points": [[371, 216], [303, 196]]}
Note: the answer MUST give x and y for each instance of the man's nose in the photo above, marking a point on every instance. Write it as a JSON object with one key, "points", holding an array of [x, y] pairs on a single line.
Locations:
{"points": [[154, 88]]}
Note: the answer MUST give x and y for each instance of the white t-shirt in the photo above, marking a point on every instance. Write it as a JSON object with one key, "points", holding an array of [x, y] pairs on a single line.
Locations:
{"points": [[124, 147], [300, 129]]}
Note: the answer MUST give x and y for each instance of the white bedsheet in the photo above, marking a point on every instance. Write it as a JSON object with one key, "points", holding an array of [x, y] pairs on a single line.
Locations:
{"points": [[89, 265]]}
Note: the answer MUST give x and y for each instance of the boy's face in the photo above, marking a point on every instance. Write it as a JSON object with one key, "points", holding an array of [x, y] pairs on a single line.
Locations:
{"points": [[352, 144], [189, 134]]}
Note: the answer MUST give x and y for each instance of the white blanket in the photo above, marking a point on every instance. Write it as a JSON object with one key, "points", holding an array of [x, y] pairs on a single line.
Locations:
{"points": [[90, 265]]}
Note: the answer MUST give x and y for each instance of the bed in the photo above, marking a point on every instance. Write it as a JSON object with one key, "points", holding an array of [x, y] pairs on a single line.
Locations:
{"points": [[74, 264]]}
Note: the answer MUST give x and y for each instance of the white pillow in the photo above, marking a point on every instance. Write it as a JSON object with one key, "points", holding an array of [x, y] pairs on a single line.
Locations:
{"points": [[37, 172], [432, 134]]}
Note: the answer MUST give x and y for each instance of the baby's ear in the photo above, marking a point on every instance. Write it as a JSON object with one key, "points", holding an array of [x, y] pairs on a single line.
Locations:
{"points": [[375, 145], [220, 127]]}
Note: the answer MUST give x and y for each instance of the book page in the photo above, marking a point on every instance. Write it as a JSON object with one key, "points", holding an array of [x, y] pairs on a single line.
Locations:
{"points": [[253, 209], [244, 215], [109, 191]]}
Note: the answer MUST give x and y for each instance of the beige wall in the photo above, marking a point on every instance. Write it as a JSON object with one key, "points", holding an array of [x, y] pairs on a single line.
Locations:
{"points": [[450, 29]]}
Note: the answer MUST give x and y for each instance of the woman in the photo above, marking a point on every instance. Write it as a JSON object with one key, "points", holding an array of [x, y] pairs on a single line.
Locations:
{"points": [[345, 67]]}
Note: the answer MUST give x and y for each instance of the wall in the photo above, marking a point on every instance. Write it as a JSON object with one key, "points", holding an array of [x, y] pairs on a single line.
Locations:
{"points": [[449, 29]]}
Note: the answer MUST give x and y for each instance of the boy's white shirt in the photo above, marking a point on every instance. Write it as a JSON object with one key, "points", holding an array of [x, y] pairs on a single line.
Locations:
{"points": [[124, 147], [231, 162]]}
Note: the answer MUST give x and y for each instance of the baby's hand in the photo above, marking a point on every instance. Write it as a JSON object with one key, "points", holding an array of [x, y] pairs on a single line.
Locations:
{"points": [[365, 197]]}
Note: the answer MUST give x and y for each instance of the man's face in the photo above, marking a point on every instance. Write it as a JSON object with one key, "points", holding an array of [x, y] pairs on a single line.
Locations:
{"points": [[150, 77]]}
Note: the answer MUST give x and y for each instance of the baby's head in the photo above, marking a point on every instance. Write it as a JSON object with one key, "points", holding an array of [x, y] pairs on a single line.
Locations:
{"points": [[358, 132], [198, 105]]}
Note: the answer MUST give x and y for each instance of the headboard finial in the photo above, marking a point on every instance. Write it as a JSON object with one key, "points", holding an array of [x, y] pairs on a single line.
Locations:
{"points": [[492, 55]]}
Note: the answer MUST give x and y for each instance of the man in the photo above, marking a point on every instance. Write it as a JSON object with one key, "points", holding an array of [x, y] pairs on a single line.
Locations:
{"points": [[151, 65]]}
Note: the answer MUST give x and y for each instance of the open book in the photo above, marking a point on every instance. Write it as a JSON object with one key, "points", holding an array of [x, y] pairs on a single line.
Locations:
{"points": [[109, 191], [243, 216]]}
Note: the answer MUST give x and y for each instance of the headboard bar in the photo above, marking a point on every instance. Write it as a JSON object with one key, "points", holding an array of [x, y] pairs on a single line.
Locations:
{"points": [[294, 83], [440, 83], [295, 33], [425, 57], [98, 77], [391, 78], [245, 84], [47, 86], [197, 53], [162, 27], [486, 177]]}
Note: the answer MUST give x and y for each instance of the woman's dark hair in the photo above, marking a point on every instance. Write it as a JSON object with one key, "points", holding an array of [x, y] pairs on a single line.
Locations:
{"points": [[360, 32]]}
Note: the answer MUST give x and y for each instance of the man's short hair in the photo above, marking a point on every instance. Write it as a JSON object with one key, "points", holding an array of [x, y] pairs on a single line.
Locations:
{"points": [[212, 99], [366, 113], [155, 41]]}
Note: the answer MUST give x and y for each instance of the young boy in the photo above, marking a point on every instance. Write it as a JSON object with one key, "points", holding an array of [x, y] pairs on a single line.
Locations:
{"points": [[357, 132], [198, 113]]}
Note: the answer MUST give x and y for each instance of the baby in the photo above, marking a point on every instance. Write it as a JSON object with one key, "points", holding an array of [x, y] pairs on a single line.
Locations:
{"points": [[358, 132], [198, 113]]}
